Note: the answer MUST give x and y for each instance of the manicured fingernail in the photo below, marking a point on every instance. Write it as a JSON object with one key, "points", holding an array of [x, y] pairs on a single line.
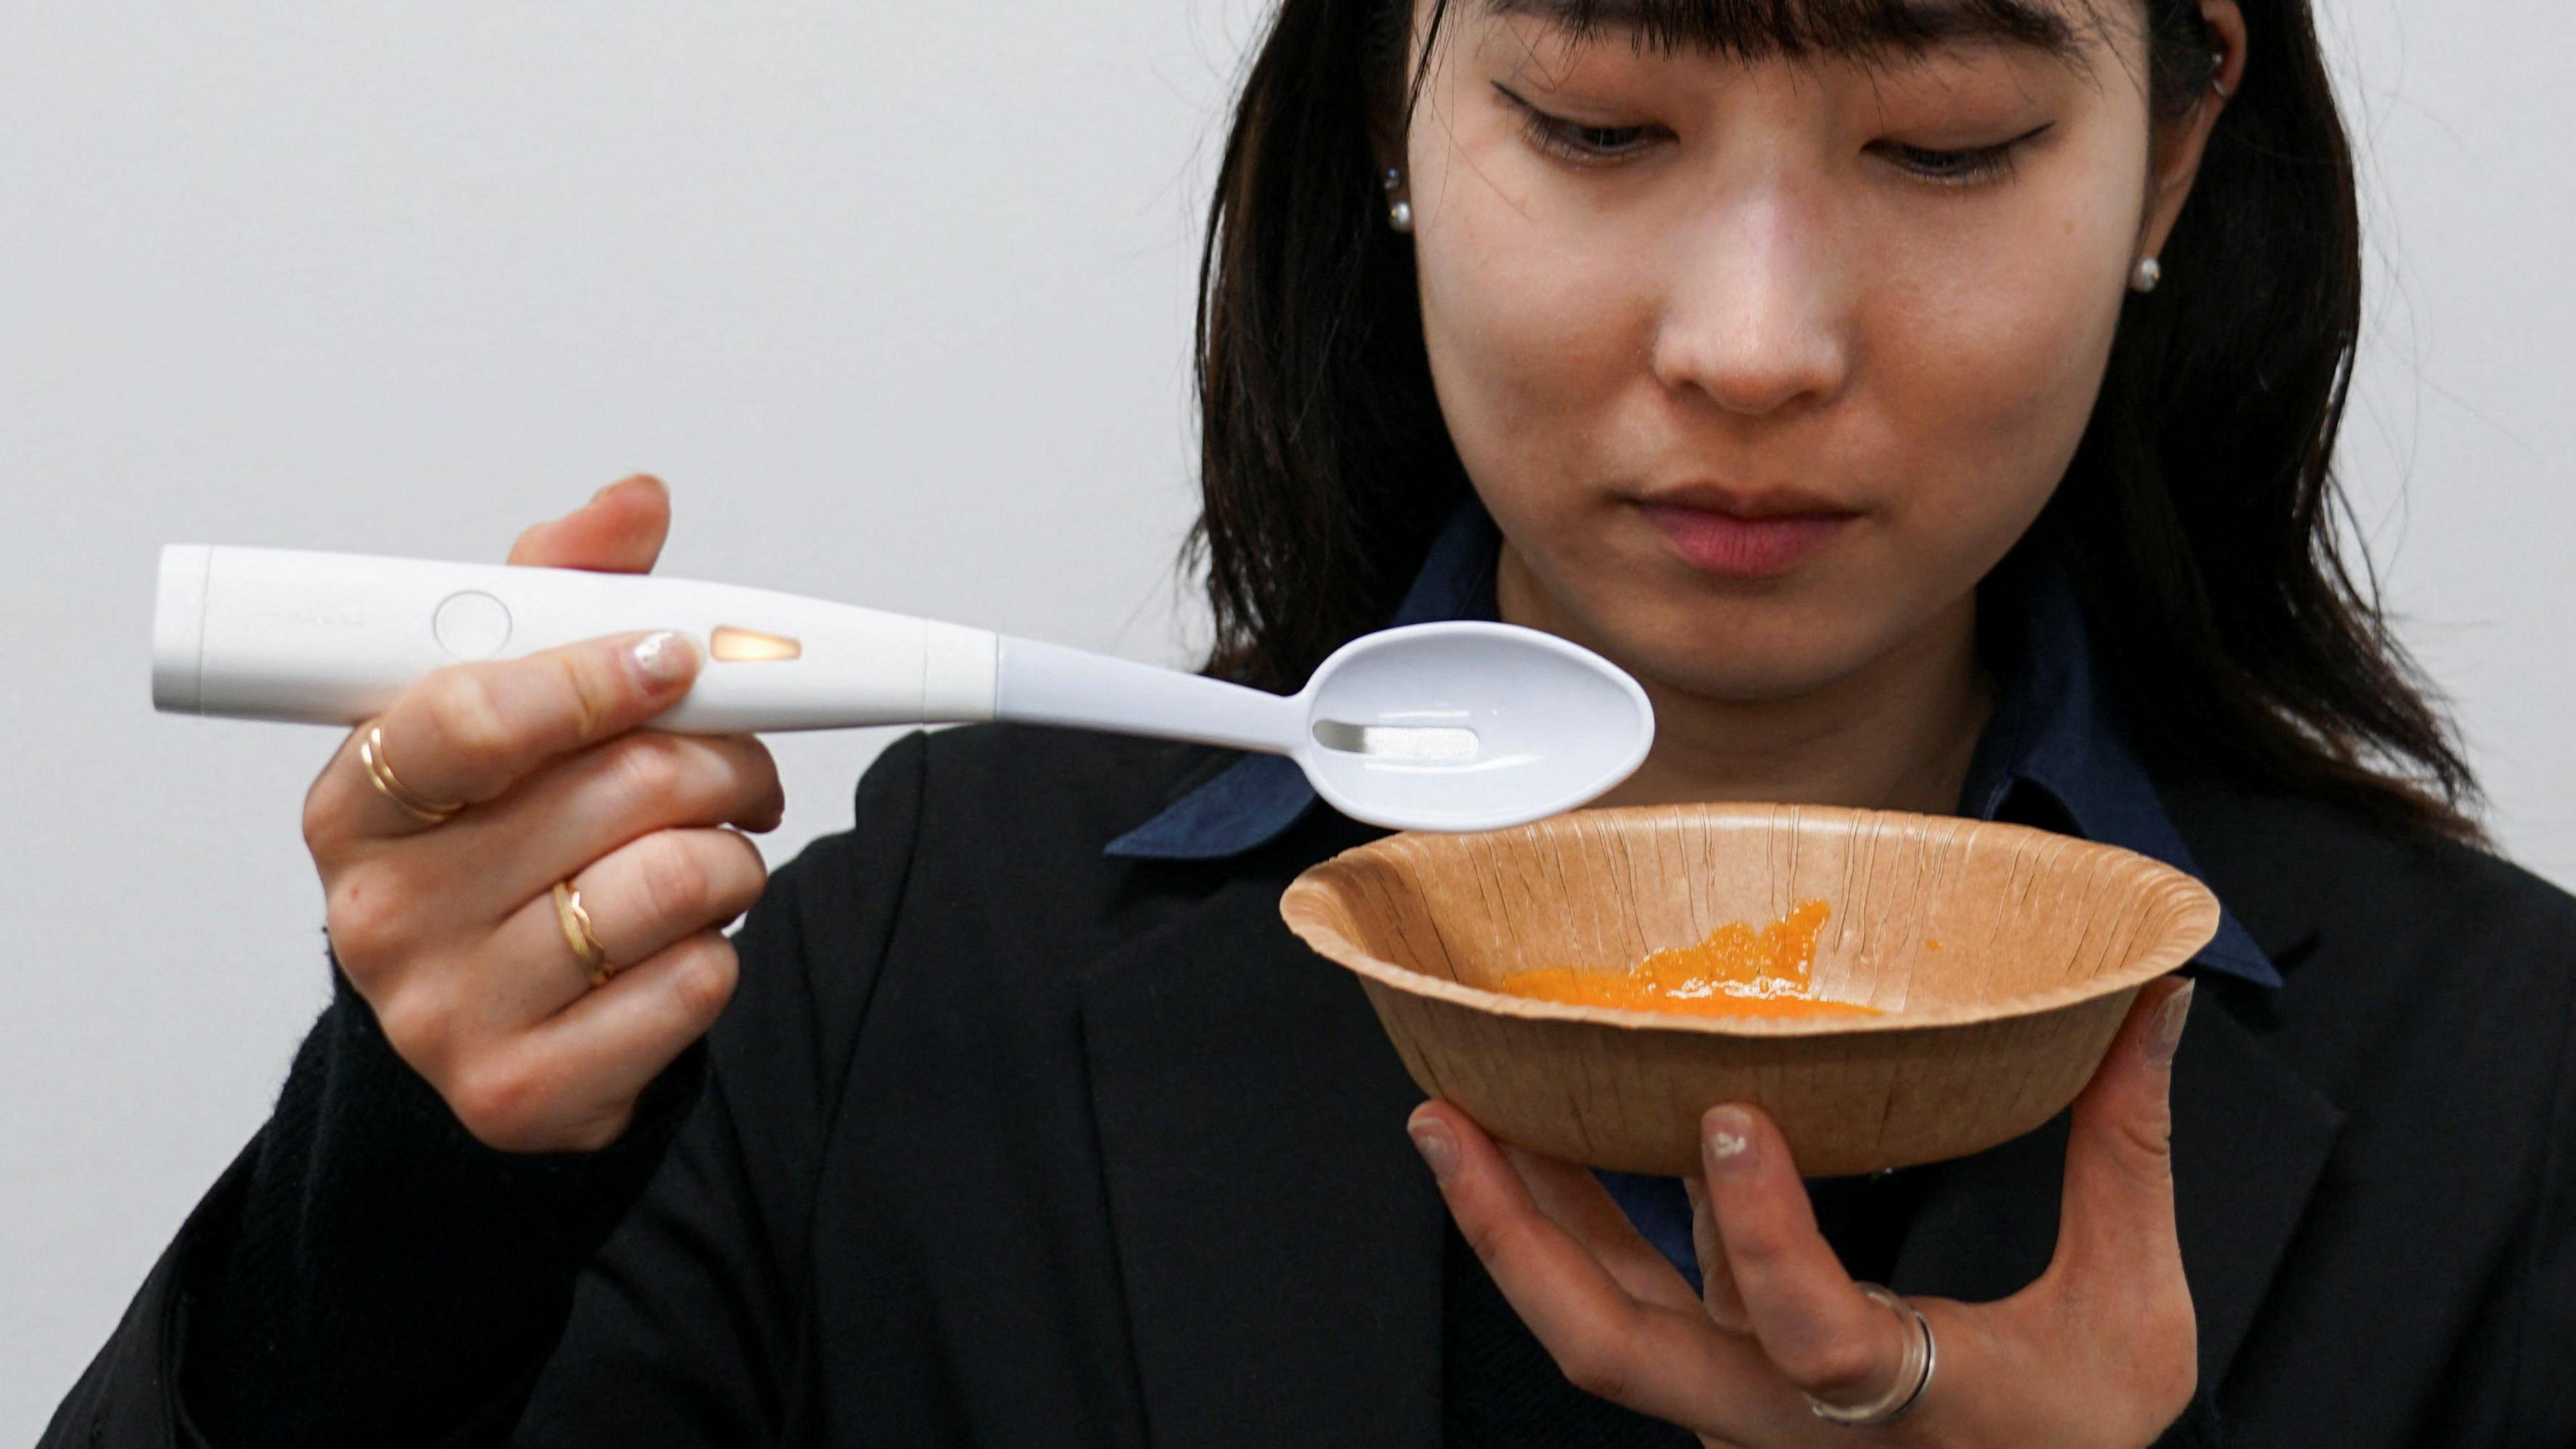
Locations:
{"points": [[1726, 1140], [666, 657], [641, 480], [2167, 1036], [1439, 1150]]}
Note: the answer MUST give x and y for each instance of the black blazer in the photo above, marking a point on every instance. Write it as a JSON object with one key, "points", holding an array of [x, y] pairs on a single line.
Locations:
{"points": [[1007, 1142]]}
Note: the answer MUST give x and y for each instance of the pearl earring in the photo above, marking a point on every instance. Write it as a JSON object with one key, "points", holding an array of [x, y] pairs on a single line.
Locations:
{"points": [[2218, 73], [2150, 272], [1399, 212]]}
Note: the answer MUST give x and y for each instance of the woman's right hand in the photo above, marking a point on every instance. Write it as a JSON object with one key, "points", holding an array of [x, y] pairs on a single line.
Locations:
{"points": [[450, 930]]}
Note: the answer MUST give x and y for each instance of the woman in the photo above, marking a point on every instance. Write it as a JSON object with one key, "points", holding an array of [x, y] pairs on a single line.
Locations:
{"points": [[1930, 403]]}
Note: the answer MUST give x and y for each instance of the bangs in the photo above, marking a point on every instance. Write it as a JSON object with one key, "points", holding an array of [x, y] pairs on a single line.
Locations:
{"points": [[1854, 29]]}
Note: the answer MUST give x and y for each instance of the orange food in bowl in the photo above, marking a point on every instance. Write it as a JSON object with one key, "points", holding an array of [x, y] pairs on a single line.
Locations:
{"points": [[1736, 970]]}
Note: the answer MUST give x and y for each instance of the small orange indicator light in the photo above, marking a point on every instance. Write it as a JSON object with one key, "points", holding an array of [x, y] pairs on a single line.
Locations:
{"points": [[750, 646]]}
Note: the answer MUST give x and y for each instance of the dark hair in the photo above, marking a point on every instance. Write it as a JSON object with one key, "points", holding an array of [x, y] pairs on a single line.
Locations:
{"points": [[2201, 509]]}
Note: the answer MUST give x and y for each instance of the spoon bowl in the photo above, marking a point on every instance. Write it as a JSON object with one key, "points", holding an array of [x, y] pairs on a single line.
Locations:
{"points": [[1468, 726]]}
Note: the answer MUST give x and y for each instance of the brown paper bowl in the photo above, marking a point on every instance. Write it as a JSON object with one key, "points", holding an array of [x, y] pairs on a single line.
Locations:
{"points": [[2043, 941]]}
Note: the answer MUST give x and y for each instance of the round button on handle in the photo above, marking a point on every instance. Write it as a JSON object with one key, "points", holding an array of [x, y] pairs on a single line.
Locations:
{"points": [[471, 625]]}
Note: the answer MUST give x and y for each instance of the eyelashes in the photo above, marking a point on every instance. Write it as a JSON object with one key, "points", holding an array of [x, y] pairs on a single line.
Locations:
{"points": [[1585, 145], [1970, 167], [1572, 140], [1575, 142]]}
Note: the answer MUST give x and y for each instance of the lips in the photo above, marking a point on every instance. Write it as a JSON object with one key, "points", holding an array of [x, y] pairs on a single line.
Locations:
{"points": [[1755, 536]]}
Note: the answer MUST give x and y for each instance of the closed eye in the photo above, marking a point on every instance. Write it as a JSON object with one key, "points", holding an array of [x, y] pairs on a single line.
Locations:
{"points": [[1576, 141], [1967, 166]]}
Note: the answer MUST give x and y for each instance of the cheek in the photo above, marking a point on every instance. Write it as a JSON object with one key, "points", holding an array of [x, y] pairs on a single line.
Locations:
{"points": [[1532, 337], [1986, 354]]}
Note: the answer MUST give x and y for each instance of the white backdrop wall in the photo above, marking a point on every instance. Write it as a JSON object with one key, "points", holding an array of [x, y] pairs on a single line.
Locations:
{"points": [[897, 298]]}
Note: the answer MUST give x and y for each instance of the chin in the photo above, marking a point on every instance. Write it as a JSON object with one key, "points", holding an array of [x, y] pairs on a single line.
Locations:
{"points": [[1739, 640], [1737, 677], [1744, 652]]}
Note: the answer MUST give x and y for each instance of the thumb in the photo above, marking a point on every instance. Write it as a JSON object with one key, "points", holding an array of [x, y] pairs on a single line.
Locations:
{"points": [[620, 530], [2118, 1211]]}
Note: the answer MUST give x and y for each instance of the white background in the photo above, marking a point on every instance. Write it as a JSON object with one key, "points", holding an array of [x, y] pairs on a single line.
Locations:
{"points": [[897, 298]]}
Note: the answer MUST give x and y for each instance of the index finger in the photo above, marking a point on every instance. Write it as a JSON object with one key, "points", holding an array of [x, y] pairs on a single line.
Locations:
{"points": [[465, 734], [1814, 1323], [1655, 1358]]}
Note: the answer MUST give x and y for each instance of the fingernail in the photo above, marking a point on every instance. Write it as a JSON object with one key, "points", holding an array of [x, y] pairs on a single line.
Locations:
{"points": [[1439, 1150], [2167, 1036], [640, 479], [1726, 1140], [666, 657]]}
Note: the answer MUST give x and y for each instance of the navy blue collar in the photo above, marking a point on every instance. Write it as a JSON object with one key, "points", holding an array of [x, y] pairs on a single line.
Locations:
{"points": [[2054, 753]]}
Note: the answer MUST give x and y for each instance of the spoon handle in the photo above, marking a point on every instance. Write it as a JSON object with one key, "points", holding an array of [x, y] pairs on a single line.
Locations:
{"points": [[329, 638], [1048, 684], [333, 638]]}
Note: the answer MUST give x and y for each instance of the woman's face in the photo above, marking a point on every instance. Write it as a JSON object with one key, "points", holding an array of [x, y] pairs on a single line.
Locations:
{"points": [[1761, 366]]}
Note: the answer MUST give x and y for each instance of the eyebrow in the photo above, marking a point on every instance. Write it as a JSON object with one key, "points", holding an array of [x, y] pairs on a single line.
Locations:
{"points": [[1794, 27]]}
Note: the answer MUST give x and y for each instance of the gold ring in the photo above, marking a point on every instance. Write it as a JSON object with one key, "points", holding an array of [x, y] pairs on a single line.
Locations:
{"points": [[577, 934], [371, 753]]}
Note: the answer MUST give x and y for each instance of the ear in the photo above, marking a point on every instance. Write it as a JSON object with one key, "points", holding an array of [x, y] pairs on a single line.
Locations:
{"points": [[2181, 142], [1386, 148], [1390, 108]]}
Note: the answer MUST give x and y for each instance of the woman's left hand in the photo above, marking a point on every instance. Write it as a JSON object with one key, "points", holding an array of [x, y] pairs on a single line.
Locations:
{"points": [[2099, 1351]]}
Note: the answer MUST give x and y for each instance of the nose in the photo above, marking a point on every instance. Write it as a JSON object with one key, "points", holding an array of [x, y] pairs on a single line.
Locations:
{"points": [[1754, 317]]}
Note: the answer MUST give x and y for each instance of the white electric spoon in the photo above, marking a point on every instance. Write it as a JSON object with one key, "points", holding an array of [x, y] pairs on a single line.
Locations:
{"points": [[1458, 726]]}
